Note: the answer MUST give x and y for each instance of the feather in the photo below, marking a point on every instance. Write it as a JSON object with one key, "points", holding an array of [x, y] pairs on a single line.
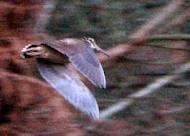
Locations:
{"points": [[68, 84], [83, 58]]}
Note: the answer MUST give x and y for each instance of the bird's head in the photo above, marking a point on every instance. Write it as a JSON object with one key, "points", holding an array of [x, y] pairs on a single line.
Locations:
{"points": [[31, 50], [94, 46]]}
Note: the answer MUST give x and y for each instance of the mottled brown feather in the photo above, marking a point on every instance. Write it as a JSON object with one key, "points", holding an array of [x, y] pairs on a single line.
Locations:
{"points": [[83, 58]]}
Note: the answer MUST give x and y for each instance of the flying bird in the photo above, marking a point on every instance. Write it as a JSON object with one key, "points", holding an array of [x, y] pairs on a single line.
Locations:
{"points": [[54, 57]]}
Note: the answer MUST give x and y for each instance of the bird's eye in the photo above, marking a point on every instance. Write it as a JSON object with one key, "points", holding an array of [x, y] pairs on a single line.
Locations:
{"points": [[90, 39]]}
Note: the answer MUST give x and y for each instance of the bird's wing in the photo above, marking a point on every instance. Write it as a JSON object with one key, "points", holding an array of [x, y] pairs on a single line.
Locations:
{"points": [[70, 87], [83, 58]]}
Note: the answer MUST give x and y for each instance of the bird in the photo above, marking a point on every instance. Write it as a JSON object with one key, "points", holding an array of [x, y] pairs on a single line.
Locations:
{"points": [[53, 60]]}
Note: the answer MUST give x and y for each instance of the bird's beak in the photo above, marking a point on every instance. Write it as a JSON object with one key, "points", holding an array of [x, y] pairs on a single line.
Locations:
{"points": [[104, 52]]}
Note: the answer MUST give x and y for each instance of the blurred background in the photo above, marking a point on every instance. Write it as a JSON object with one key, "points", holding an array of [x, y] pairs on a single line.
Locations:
{"points": [[147, 75]]}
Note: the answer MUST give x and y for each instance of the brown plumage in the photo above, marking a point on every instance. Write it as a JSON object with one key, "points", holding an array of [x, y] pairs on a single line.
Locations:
{"points": [[53, 57]]}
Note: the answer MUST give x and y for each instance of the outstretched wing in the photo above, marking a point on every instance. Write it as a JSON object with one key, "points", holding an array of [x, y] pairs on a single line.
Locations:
{"points": [[70, 87], [83, 58]]}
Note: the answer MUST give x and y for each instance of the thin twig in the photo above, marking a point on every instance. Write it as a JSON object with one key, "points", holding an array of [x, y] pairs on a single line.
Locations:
{"points": [[180, 37], [149, 89], [158, 45], [176, 22], [144, 32], [175, 110]]}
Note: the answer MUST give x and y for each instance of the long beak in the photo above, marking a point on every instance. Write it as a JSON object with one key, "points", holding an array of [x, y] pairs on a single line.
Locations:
{"points": [[104, 52]]}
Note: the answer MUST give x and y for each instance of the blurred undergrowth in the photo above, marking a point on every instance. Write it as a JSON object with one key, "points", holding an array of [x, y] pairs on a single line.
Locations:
{"points": [[111, 22]]}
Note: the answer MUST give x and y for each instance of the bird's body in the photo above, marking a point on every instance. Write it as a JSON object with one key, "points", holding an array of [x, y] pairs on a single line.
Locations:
{"points": [[53, 57]]}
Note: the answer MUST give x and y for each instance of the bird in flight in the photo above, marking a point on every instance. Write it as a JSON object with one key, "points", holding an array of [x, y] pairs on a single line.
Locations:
{"points": [[54, 58]]}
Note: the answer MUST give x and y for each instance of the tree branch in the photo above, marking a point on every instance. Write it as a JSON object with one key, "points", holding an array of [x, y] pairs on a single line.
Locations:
{"points": [[147, 29], [143, 33], [149, 89], [176, 22], [170, 37]]}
